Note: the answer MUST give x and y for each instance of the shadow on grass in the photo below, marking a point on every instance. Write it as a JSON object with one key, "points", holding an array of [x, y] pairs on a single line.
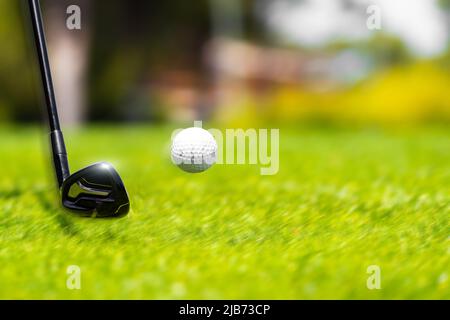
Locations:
{"points": [[47, 201], [11, 193], [84, 229]]}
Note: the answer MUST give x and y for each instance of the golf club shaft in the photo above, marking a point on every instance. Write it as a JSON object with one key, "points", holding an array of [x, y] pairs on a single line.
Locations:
{"points": [[56, 136]]}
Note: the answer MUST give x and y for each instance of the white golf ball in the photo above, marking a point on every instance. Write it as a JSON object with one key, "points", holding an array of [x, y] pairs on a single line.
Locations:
{"points": [[194, 150]]}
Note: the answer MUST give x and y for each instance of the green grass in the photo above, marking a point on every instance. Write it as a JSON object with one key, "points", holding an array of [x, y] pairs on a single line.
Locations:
{"points": [[343, 200]]}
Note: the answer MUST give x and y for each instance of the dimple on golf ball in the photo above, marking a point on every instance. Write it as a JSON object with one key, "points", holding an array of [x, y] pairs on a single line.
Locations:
{"points": [[194, 150]]}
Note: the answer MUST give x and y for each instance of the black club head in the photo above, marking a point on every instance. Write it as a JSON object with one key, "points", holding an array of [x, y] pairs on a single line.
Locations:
{"points": [[96, 191]]}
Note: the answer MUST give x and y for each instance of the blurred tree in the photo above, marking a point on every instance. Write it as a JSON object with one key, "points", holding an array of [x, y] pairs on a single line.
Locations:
{"points": [[69, 53], [16, 85], [387, 50], [445, 5], [134, 41], [113, 60]]}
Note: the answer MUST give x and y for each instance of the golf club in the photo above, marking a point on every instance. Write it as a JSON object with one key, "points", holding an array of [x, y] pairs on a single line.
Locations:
{"points": [[95, 191]]}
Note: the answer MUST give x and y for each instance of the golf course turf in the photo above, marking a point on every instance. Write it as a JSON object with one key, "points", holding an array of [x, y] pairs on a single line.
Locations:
{"points": [[342, 201]]}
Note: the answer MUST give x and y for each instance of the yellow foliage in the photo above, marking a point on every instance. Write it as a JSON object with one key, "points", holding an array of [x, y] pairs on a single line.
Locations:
{"points": [[404, 94]]}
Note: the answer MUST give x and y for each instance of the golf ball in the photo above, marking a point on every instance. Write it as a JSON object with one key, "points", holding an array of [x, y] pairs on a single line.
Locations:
{"points": [[194, 150]]}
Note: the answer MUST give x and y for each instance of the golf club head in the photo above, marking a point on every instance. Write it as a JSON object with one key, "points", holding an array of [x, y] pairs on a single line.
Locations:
{"points": [[96, 191]]}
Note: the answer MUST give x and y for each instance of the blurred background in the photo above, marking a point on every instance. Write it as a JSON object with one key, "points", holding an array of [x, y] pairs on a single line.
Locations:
{"points": [[236, 62], [364, 149]]}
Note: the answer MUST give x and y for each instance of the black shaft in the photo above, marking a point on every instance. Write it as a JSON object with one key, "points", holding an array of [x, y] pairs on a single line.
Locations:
{"points": [[56, 136]]}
